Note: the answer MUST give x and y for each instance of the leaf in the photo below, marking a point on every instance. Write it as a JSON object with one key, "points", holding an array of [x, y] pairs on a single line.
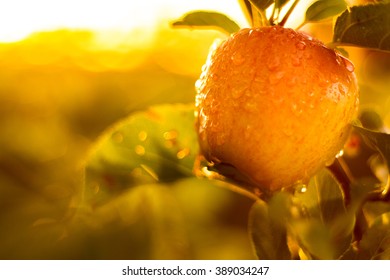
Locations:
{"points": [[269, 234], [378, 140], [371, 119], [206, 19], [364, 26], [324, 9], [159, 144], [322, 198], [315, 238], [375, 243], [325, 216], [152, 216]]}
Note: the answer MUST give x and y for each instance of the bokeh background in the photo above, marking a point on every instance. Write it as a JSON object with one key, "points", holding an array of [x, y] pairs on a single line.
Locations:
{"points": [[71, 69]]}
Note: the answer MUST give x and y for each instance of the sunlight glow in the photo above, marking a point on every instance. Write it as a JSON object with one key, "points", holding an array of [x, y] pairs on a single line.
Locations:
{"points": [[19, 18]]}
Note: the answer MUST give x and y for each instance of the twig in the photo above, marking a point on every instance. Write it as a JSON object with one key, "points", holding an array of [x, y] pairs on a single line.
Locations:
{"points": [[287, 15]]}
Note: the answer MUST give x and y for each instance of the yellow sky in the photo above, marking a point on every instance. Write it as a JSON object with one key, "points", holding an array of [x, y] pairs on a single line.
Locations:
{"points": [[19, 18]]}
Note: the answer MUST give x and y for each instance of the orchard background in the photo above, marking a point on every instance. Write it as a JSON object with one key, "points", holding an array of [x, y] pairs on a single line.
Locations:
{"points": [[98, 151]]}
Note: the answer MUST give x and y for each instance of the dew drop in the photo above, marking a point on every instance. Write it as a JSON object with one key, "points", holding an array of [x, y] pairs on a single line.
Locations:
{"points": [[170, 135], [139, 150], [117, 137], [342, 88], [275, 77], [198, 85], [292, 81], [237, 92], [250, 107], [308, 55], [248, 132], [237, 59], [296, 110], [291, 35], [142, 135], [334, 78], [348, 64], [296, 61], [325, 113], [322, 81], [183, 153], [301, 45], [340, 154], [220, 139], [273, 63], [302, 188], [258, 79]]}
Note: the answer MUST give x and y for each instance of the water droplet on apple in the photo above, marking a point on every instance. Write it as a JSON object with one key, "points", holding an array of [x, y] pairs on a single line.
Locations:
{"points": [[275, 77], [296, 110], [301, 45], [238, 92], [237, 59], [348, 64], [296, 61], [273, 63]]}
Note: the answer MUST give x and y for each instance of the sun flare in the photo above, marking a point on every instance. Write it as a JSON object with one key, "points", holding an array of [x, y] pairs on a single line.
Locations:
{"points": [[20, 18]]}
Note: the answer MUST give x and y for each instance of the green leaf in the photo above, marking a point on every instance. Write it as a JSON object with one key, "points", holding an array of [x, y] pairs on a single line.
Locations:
{"points": [[268, 231], [206, 19], [153, 217], [324, 9], [370, 119], [322, 199], [324, 216], [364, 26], [315, 238], [375, 243], [158, 145], [378, 140]]}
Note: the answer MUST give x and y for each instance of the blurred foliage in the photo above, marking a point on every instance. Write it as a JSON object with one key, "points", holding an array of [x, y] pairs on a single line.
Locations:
{"points": [[59, 91]]}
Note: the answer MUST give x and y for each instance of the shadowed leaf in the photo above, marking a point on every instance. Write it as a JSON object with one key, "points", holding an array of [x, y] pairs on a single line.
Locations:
{"points": [[378, 140], [375, 243], [364, 26], [268, 234], [326, 227]]}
